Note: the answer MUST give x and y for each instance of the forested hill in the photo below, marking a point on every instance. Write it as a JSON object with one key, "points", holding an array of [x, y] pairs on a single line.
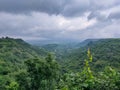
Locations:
{"points": [[13, 55], [13, 52], [106, 52], [27, 67]]}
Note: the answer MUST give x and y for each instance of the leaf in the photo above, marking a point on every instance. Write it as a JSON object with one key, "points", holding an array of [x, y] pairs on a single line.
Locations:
{"points": [[85, 85], [91, 58], [86, 63], [65, 88], [88, 53]]}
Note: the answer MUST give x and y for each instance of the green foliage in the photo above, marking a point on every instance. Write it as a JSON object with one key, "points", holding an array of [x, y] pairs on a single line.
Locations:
{"points": [[13, 86], [14, 52], [23, 80], [43, 73], [105, 52], [87, 70], [109, 79], [24, 67], [4, 81]]}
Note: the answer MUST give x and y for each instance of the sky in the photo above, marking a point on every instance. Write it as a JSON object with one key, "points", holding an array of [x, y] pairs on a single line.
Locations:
{"points": [[60, 20]]}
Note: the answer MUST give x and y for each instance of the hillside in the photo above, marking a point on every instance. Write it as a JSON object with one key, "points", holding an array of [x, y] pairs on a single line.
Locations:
{"points": [[106, 52], [13, 52], [86, 42], [26, 67]]}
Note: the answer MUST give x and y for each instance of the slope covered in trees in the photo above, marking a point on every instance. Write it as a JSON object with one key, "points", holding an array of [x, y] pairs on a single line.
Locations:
{"points": [[26, 67], [106, 52], [18, 44], [13, 53]]}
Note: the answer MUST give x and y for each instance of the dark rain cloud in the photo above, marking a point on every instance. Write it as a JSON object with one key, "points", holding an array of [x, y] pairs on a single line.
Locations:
{"points": [[21, 6], [76, 8], [68, 8]]}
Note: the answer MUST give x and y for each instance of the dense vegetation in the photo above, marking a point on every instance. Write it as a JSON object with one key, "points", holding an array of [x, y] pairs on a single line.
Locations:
{"points": [[13, 53], [25, 67], [106, 52]]}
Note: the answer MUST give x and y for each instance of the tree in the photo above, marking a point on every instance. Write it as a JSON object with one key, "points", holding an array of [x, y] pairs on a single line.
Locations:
{"points": [[43, 73], [23, 80], [13, 86]]}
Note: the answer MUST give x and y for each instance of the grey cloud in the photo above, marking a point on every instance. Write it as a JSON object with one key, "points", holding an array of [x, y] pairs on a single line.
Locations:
{"points": [[44, 26], [76, 7], [110, 30], [115, 15], [35, 26], [69, 8], [96, 15], [48, 19], [18, 6]]}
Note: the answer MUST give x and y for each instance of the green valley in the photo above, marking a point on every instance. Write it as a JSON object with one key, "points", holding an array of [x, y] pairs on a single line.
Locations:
{"points": [[89, 65]]}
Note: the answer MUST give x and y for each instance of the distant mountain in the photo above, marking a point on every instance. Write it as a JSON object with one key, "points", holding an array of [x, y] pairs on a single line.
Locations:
{"points": [[85, 42], [106, 52], [50, 47], [45, 42], [71, 56], [66, 46], [59, 49]]}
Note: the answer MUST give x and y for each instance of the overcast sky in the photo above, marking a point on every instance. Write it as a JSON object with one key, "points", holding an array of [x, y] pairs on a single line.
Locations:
{"points": [[60, 19]]}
